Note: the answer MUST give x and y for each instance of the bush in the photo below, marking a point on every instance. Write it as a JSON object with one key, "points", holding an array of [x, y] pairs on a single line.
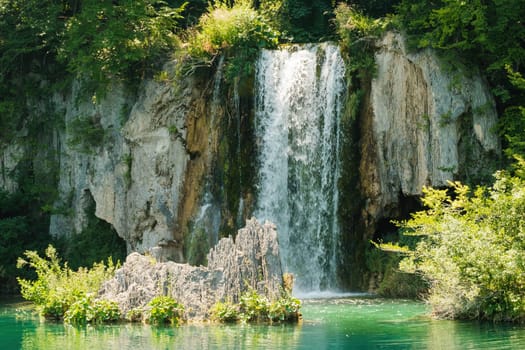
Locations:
{"points": [[105, 311], [225, 312], [285, 309], [238, 31], [164, 309], [471, 249], [135, 315], [358, 34], [86, 310], [57, 287], [254, 307]]}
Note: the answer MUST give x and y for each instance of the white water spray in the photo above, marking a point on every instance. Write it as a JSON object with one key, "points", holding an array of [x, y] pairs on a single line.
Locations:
{"points": [[298, 102]]}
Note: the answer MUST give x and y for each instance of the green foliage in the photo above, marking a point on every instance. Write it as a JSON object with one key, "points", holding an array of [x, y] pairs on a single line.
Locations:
{"points": [[487, 33], [512, 123], [471, 249], [398, 284], [225, 312], [383, 264], [375, 8], [285, 309], [29, 33], [358, 33], [110, 40], [86, 310], [164, 309], [85, 134], [79, 312], [135, 315], [193, 10], [57, 287], [253, 307], [306, 21], [22, 226], [238, 31]]}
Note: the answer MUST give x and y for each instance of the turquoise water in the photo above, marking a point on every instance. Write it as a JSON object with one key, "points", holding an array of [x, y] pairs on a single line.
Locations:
{"points": [[349, 323]]}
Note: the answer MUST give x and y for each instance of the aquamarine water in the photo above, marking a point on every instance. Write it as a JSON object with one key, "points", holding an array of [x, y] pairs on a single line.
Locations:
{"points": [[349, 323]]}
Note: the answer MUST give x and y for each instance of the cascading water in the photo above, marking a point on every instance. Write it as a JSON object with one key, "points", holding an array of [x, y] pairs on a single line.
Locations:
{"points": [[298, 102]]}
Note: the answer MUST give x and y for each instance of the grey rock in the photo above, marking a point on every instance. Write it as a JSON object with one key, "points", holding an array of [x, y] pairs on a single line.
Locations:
{"points": [[419, 118], [234, 266]]}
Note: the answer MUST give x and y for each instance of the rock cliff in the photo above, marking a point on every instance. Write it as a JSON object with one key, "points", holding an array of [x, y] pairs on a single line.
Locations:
{"points": [[234, 266], [145, 175], [423, 124]]}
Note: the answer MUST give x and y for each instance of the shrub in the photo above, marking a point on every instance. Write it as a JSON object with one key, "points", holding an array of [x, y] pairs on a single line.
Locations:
{"points": [[358, 34], [104, 311], [135, 315], [225, 312], [86, 310], [471, 249], [238, 31], [79, 312], [254, 307], [57, 287], [285, 309], [164, 309]]}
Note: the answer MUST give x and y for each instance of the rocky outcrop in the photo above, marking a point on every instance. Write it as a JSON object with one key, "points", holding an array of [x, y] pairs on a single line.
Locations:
{"points": [[250, 261], [423, 124]]}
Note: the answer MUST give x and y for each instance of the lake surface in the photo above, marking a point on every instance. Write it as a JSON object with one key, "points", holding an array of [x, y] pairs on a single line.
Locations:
{"points": [[338, 323]]}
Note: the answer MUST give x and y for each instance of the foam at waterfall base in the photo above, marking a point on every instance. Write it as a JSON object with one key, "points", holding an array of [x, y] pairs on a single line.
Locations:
{"points": [[328, 294]]}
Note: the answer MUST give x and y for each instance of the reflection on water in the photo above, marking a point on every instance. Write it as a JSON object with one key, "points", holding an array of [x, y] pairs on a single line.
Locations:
{"points": [[131, 336], [348, 323]]}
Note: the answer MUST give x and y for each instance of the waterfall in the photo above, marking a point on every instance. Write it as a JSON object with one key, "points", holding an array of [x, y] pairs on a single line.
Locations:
{"points": [[298, 102]]}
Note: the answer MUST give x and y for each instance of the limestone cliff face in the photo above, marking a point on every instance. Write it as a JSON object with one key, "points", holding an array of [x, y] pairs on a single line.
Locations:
{"points": [[423, 125], [146, 174]]}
